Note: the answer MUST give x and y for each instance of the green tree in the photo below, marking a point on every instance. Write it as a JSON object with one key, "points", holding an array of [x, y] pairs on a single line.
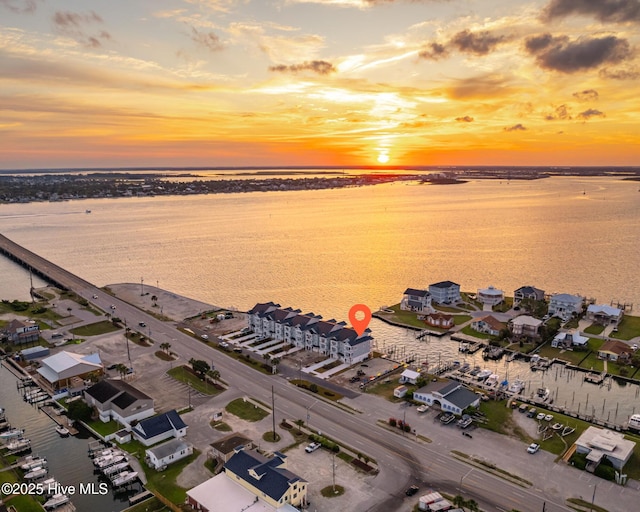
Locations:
{"points": [[80, 411], [200, 367], [122, 369], [165, 347], [214, 375]]}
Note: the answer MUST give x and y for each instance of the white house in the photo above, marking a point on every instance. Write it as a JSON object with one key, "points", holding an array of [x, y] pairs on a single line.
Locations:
{"points": [[525, 325], [400, 391], [603, 314], [159, 457], [569, 339], [409, 377], [601, 444], [451, 396], [564, 305], [64, 373], [310, 332], [416, 300], [445, 292], [152, 430], [490, 296]]}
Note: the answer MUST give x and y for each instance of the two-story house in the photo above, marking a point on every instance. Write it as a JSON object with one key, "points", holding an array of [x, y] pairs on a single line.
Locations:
{"points": [[525, 326], [416, 300], [120, 401], [527, 292], [564, 305], [445, 292], [18, 332]]}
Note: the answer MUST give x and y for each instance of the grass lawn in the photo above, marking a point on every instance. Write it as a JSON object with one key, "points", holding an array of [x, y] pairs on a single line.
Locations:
{"points": [[95, 329], [246, 410], [385, 390], [164, 482], [469, 331], [629, 328], [499, 419], [460, 319], [594, 329], [105, 429], [150, 505], [400, 316], [327, 393], [184, 375]]}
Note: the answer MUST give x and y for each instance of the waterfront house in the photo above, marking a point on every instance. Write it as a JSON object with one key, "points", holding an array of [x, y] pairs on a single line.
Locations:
{"points": [[155, 429], [564, 305], [439, 320], [159, 457], [600, 444], [120, 401], [251, 481], [603, 314], [409, 377], [569, 339], [450, 396], [310, 332], [525, 326], [489, 325], [19, 332], [490, 296], [614, 350], [416, 300], [65, 373], [527, 292], [223, 449], [445, 292]]}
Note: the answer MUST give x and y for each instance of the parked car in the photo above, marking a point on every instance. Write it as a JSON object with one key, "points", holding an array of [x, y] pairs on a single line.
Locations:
{"points": [[533, 448], [353, 379], [423, 408], [204, 336], [532, 412], [412, 490], [312, 447], [142, 324]]}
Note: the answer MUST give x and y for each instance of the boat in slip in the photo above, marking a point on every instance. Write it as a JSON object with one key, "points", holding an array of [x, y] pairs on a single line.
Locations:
{"points": [[109, 460], [18, 445], [483, 374], [124, 478], [116, 468], [36, 474], [62, 431], [31, 462], [543, 394], [492, 380], [57, 500], [12, 433], [516, 386]]}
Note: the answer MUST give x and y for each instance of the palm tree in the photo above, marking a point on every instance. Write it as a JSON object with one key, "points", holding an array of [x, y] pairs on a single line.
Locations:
{"points": [[165, 347], [122, 369], [214, 375], [154, 299]]}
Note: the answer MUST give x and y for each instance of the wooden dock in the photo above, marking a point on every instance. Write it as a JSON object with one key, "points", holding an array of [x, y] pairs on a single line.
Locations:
{"points": [[595, 378]]}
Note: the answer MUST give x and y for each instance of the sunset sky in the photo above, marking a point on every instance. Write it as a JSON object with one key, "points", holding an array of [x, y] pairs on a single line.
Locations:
{"points": [[86, 83]]}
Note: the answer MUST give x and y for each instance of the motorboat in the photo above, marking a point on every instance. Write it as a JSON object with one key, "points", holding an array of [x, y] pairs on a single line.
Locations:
{"points": [[567, 430], [105, 453], [124, 478], [516, 387], [36, 473], [12, 433], [33, 462], [543, 394], [49, 486], [18, 445], [492, 380], [557, 426], [109, 460], [116, 468], [56, 501], [634, 422], [64, 432], [483, 374], [465, 421]]}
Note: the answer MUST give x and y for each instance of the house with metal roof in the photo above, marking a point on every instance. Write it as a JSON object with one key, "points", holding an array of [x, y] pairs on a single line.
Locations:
{"points": [[119, 400], [451, 396], [445, 292], [600, 444], [564, 305], [155, 429], [159, 457], [65, 373], [604, 314], [416, 300]]}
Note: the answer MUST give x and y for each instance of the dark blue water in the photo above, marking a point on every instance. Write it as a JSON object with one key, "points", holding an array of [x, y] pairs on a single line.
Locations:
{"points": [[68, 459]]}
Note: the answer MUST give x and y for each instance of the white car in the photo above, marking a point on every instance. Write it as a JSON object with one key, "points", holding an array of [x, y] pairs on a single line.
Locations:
{"points": [[423, 408], [312, 447], [540, 416], [204, 336], [533, 448]]}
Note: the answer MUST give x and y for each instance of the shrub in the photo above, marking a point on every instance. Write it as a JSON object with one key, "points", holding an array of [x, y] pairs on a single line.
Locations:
{"points": [[393, 422], [313, 388]]}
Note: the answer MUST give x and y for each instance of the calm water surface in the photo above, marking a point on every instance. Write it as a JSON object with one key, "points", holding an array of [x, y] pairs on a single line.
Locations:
{"points": [[322, 251]]}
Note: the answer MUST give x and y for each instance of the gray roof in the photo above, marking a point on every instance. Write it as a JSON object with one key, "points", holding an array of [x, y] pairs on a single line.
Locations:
{"points": [[417, 293], [165, 449], [444, 284], [462, 398]]}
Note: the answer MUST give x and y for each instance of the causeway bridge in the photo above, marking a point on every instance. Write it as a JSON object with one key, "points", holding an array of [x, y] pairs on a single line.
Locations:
{"points": [[42, 267]]}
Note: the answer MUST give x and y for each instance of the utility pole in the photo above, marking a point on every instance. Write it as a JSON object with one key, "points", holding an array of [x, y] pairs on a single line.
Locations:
{"points": [[141, 286], [273, 412], [334, 472]]}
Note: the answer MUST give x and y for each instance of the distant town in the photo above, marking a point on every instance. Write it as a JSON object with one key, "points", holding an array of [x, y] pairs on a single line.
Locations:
{"points": [[62, 185]]}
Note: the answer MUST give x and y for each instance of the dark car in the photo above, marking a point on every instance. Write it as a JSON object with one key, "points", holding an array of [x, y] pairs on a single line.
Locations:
{"points": [[412, 490], [142, 324], [355, 378]]}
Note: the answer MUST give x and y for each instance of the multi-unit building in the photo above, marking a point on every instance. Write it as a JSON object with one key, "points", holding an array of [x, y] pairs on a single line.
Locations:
{"points": [[445, 292], [310, 332]]}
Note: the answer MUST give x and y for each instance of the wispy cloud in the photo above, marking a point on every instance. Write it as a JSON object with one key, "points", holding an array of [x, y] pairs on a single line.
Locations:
{"points": [[515, 128], [321, 67], [586, 95], [465, 119], [20, 6], [73, 25], [206, 39], [560, 113], [588, 114]]}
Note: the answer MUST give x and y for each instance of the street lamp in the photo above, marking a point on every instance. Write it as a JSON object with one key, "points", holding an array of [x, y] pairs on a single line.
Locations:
{"points": [[462, 478]]}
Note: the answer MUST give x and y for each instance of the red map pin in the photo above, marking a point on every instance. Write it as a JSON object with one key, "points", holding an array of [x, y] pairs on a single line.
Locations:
{"points": [[360, 316]]}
